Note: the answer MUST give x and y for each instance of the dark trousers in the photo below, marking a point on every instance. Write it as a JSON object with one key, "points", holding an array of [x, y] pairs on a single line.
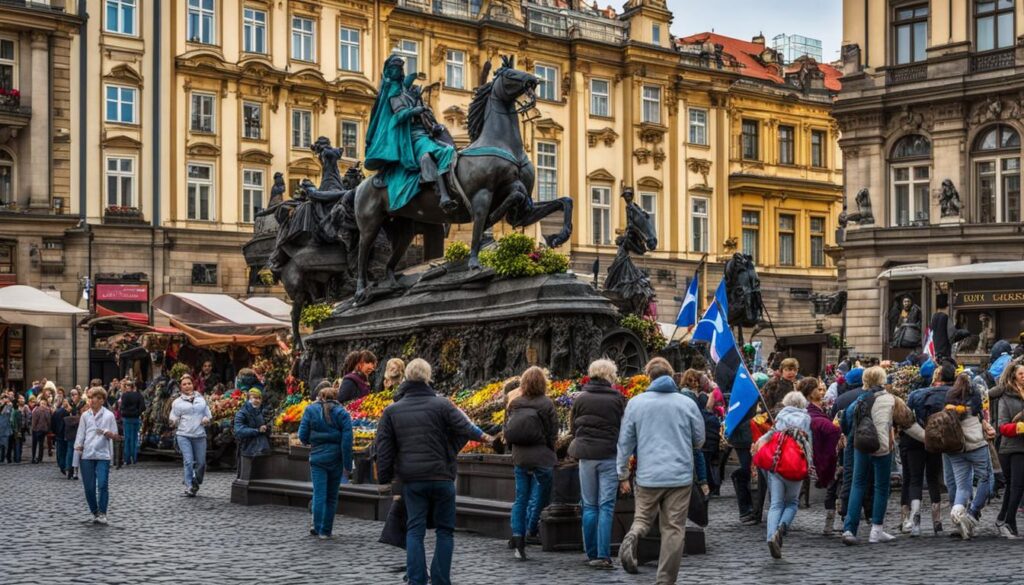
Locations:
{"points": [[1013, 470], [62, 453], [711, 465], [38, 446], [17, 443], [919, 464], [762, 493], [833, 492], [741, 482], [423, 498]]}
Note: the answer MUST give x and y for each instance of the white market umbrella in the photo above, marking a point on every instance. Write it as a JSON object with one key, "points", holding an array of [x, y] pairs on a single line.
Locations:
{"points": [[25, 305]]}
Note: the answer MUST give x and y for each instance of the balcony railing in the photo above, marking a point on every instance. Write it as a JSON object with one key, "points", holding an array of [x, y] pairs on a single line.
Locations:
{"points": [[464, 9], [907, 74], [569, 24], [993, 60]]}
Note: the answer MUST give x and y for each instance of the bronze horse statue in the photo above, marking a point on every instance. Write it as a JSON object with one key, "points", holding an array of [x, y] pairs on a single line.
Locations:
{"points": [[493, 177]]}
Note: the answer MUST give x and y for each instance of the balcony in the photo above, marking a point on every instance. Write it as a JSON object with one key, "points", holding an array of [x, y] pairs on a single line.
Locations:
{"points": [[461, 9], [115, 214], [906, 74], [571, 24], [993, 60]]}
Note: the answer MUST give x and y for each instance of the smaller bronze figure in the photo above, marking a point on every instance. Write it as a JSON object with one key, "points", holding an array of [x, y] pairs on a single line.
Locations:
{"points": [[949, 200], [905, 324], [624, 279]]}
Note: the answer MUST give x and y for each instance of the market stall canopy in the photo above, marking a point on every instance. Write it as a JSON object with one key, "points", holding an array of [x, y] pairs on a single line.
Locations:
{"points": [[270, 306], [905, 272], [216, 313], [1013, 268], [25, 305]]}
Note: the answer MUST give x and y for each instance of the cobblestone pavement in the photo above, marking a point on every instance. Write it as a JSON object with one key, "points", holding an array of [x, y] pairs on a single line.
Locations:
{"points": [[156, 536]]}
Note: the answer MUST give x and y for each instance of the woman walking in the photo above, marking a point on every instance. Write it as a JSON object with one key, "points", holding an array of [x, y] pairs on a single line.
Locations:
{"points": [[971, 464], [40, 428], [356, 383], [825, 444], [531, 427], [76, 407], [794, 421], [594, 426], [1011, 449], [327, 428], [94, 446], [191, 414], [6, 428]]}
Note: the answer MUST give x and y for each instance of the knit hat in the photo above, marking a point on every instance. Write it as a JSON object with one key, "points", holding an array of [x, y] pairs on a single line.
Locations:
{"points": [[928, 370], [255, 391], [855, 378], [50, 386], [760, 379]]}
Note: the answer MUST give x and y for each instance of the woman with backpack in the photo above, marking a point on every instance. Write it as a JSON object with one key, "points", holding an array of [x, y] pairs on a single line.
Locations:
{"points": [[794, 423], [920, 464], [1010, 422], [327, 428], [872, 422], [825, 443], [972, 461], [531, 428]]}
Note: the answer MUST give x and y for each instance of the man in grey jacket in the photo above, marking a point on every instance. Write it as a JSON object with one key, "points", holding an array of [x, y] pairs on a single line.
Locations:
{"points": [[662, 427]]}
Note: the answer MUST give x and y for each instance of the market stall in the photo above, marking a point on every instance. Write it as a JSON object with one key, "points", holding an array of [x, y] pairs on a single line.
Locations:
{"points": [[24, 306]]}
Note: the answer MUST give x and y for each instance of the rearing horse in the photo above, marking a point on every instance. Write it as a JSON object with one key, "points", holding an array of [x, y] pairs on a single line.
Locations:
{"points": [[494, 172]]}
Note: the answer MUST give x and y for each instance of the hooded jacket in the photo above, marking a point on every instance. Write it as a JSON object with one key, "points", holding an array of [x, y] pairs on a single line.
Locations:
{"points": [[595, 420], [251, 442], [330, 441], [824, 441], [542, 455]]}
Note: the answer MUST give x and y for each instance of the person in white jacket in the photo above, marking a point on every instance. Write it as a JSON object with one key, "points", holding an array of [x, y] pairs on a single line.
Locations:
{"points": [[97, 429], [191, 414]]}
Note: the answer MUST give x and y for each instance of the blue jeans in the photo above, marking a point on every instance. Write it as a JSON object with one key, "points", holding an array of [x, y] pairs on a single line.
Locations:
{"points": [[882, 467], [599, 483], [62, 453], [965, 468], [132, 426], [785, 495], [326, 482], [70, 463], [439, 498], [533, 493], [95, 473], [193, 454]]}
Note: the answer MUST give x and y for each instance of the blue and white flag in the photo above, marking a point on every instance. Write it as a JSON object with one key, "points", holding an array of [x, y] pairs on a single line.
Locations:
{"points": [[715, 319], [687, 316]]}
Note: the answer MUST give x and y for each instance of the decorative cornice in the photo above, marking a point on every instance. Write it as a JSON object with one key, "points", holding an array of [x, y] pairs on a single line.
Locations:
{"points": [[202, 149], [700, 166], [602, 176], [119, 141], [124, 73], [256, 156], [651, 133], [649, 183], [606, 135]]}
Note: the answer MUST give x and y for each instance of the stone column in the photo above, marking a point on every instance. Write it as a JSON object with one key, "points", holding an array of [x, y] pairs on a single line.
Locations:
{"points": [[38, 179]]}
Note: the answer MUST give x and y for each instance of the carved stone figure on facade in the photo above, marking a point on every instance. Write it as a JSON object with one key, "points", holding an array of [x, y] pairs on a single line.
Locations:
{"points": [[863, 215], [743, 289], [949, 200], [905, 324], [987, 111], [987, 336], [624, 279]]}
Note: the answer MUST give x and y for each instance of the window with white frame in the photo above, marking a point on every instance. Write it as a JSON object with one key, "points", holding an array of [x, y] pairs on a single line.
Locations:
{"points": [[699, 223], [410, 52], [698, 126], [120, 181], [202, 112], [201, 21], [996, 160], [649, 203], [787, 239], [120, 17], [348, 59], [547, 171], [302, 128], [547, 76], [651, 104], [910, 175], [349, 139], [817, 242], [120, 105], [252, 120], [656, 34], [8, 64], [303, 39], [254, 30], [600, 97], [200, 192], [751, 221], [601, 211], [6, 178], [252, 193], [455, 69]]}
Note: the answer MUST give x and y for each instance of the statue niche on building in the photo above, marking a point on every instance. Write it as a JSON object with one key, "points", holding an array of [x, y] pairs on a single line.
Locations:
{"points": [[625, 280], [949, 200], [864, 216], [905, 324]]}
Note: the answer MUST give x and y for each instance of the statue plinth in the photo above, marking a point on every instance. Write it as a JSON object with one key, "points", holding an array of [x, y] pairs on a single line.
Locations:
{"points": [[951, 220]]}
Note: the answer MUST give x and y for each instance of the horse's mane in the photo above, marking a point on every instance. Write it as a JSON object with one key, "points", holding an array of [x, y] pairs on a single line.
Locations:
{"points": [[478, 110]]}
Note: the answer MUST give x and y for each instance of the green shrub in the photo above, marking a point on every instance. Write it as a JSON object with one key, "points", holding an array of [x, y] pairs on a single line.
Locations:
{"points": [[456, 251], [313, 315], [517, 255], [647, 329]]}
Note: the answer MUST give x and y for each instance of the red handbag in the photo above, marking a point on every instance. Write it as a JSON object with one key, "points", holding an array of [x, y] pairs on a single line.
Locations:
{"points": [[783, 455]]}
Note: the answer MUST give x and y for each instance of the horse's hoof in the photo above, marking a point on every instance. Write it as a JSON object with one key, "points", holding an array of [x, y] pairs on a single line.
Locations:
{"points": [[449, 207], [474, 264]]}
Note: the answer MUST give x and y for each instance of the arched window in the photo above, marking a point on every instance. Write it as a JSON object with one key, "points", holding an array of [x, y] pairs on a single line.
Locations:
{"points": [[910, 172], [996, 160], [6, 177]]}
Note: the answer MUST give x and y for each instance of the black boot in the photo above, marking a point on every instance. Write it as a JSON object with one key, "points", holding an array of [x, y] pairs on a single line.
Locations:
{"points": [[520, 547], [448, 205]]}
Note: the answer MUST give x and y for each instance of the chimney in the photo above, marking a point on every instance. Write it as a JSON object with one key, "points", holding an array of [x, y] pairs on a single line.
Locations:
{"points": [[758, 40]]}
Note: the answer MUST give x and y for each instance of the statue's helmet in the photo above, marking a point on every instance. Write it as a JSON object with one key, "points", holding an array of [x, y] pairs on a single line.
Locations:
{"points": [[394, 67]]}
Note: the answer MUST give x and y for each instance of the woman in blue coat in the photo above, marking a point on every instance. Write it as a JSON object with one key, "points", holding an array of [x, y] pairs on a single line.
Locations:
{"points": [[327, 428]]}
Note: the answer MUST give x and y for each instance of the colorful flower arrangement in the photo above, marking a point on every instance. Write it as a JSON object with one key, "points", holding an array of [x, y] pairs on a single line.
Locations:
{"points": [[369, 407], [224, 408], [289, 419], [634, 386]]}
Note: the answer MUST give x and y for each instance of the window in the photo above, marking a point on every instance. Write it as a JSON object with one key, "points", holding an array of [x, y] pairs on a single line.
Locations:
{"points": [[8, 64], [786, 145], [547, 171], [698, 126], [911, 33], [6, 177], [120, 104], [599, 97], [303, 39], [204, 274], [817, 148], [120, 181], [751, 150], [649, 203], [348, 60], [349, 139], [601, 210], [455, 69], [202, 112], [699, 223], [817, 241], [651, 104], [996, 156], [787, 239], [120, 17], [911, 180], [993, 24], [252, 193], [254, 30], [410, 51], [252, 120], [548, 78], [656, 34], [751, 231], [200, 21], [302, 128], [200, 192]]}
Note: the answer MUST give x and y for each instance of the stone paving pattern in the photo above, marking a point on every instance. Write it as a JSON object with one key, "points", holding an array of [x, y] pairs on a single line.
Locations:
{"points": [[157, 536]]}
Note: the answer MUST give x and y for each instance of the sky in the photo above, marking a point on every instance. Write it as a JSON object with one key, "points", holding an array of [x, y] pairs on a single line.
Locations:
{"points": [[744, 19]]}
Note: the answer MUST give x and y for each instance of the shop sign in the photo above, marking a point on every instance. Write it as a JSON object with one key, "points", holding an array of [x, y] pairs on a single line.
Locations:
{"points": [[122, 292], [15, 369], [988, 298]]}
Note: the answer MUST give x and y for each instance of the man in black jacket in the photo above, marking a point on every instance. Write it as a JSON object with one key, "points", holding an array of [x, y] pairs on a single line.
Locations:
{"points": [[418, 440], [133, 404]]}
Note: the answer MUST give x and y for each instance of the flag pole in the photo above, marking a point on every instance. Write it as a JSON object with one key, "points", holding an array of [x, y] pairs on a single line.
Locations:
{"points": [[760, 396]]}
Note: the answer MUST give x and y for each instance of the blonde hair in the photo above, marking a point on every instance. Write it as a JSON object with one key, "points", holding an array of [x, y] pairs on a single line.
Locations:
{"points": [[874, 376], [658, 367], [97, 391], [394, 371], [418, 370], [603, 369]]}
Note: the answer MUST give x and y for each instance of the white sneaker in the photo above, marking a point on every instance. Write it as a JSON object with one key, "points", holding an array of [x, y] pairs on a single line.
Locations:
{"points": [[1005, 532], [957, 515], [907, 525], [915, 525], [92, 519], [967, 525], [878, 535], [849, 538], [101, 519]]}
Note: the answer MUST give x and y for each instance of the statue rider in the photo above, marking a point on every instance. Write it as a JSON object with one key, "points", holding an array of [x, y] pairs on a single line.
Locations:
{"points": [[402, 140]]}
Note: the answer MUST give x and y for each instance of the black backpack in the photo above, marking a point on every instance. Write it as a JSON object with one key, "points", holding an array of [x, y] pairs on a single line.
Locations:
{"points": [[712, 428], [865, 435], [524, 427]]}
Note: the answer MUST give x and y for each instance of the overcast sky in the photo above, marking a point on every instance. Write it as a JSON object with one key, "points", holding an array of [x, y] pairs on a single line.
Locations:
{"points": [[818, 19]]}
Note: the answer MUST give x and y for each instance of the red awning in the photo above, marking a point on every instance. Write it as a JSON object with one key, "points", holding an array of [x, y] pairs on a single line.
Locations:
{"points": [[142, 318]]}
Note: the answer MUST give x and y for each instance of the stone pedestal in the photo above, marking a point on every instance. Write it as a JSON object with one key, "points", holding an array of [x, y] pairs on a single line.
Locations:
{"points": [[951, 220]]}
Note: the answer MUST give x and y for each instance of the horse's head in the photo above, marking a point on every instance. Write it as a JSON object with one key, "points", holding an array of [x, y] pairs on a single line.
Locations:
{"points": [[510, 84]]}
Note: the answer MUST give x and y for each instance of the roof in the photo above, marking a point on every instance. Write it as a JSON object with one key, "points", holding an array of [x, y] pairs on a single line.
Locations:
{"points": [[25, 305], [746, 55], [270, 306], [215, 312], [1011, 268]]}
